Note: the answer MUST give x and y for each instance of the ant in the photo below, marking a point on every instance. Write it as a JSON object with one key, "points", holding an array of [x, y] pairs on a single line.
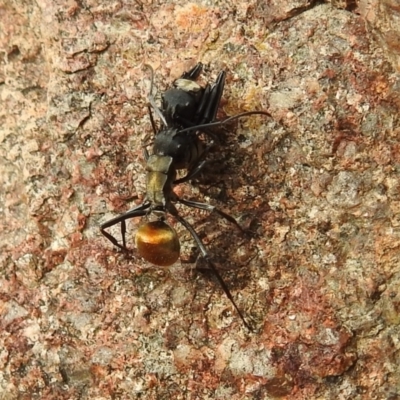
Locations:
{"points": [[187, 111]]}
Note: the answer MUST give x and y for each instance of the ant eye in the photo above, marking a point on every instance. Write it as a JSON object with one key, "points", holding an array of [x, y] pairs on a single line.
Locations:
{"points": [[158, 243]]}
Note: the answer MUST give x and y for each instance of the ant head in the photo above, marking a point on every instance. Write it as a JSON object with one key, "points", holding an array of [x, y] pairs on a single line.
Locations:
{"points": [[158, 243]]}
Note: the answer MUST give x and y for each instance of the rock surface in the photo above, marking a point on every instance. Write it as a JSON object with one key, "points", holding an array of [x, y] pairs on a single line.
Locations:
{"points": [[317, 188]]}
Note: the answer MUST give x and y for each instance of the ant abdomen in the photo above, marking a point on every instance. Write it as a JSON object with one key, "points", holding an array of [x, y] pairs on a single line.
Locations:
{"points": [[158, 243]]}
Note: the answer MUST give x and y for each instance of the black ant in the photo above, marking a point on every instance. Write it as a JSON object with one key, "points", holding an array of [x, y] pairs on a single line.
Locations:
{"points": [[188, 110]]}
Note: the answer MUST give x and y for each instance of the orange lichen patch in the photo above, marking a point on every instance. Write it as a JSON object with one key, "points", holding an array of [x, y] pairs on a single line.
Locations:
{"points": [[380, 85], [253, 98], [249, 99], [192, 17], [387, 245]]}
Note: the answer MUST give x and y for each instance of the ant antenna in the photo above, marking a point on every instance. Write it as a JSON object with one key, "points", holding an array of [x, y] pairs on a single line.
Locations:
{"points": [[225, 121], [151, 98]]}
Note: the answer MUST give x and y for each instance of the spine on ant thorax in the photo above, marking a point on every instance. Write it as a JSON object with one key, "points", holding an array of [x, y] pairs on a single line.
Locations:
{"points": [[160, 176]]}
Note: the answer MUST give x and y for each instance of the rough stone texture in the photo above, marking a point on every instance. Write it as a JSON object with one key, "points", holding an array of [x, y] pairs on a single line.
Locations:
{"points": [[317, 188], [384, 21]]}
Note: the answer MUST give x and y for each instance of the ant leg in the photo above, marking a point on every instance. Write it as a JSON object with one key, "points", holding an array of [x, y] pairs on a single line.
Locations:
{"points": [[153, 124], [146, 154], [192, 173], [157, 110], [193, 73], [134, 212], [210, 208], [197, 167], [204, 253], [146, 139], [152, 101]]}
